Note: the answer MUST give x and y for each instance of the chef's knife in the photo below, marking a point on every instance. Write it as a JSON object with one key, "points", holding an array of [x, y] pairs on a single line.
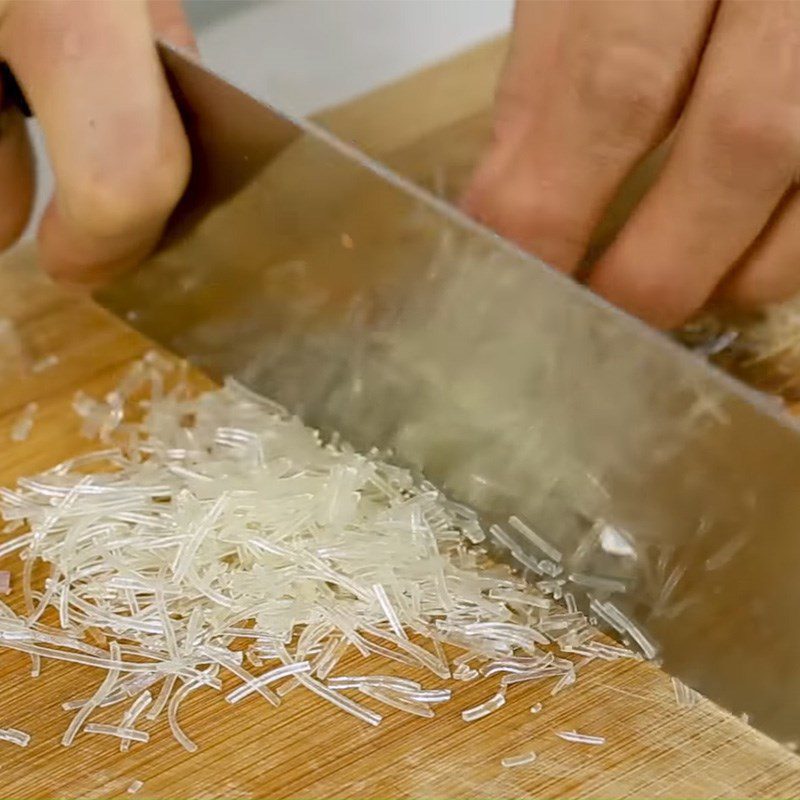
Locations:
{"points": [[630, 468]]}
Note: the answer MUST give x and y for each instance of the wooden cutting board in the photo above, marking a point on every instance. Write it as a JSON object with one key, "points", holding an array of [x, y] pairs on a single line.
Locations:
{"points": [[429, 126]]}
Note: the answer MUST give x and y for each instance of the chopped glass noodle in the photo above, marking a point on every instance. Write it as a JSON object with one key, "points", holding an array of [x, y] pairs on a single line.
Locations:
{"points": [[12, 346], [329, 657], [608, 652], [163, 698], [428, 695], [129, 734], [580, 738], [599, 583], [14, 736], [403, 702], [388, 610], [172, 714], [132, 714], [485, 708], [517, 553], [548, 567], [599, 609], [45, 363], [134, 787], [341, 701], [463, 672], [532, 675], [576, 637], [567, 679], [382, 681], [23, 424], [519, 666], [643, 640], [253, 685], [518, 761], [5, 582], [552, 552], [220, 522], [685, 697], [536, 708], [103, 691]]}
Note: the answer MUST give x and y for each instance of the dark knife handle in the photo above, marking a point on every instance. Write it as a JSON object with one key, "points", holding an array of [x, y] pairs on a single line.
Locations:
{"points": [[11, 95]]}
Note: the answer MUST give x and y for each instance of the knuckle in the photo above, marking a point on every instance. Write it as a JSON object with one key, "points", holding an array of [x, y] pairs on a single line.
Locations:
{"points": [[508, 205], [756, 287], [629, 91], [134, 195], [765, 135], [655, 296]]}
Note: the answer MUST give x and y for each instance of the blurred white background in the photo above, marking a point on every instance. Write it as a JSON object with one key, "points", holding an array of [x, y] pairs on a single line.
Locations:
{"points": [[303, 55]]}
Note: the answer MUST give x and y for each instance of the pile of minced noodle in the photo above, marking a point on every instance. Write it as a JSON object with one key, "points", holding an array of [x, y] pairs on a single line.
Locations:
{"points": [[217, 534]]}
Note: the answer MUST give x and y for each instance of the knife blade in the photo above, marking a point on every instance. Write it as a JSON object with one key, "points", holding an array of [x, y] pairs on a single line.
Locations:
{"points": [[608, 460]]}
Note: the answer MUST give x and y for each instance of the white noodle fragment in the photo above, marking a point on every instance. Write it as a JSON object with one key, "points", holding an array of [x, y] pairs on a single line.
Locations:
{"points": [[12, 346], [183, 558], [381, 681], [134, 787], [45, 363], [536, 708], [608, 652], [132, 714], [252, 683], [329, 657], [552, 552], [648, 647], [519, 555], [14, 736], [429, 695], [399, 701], [566, 680], [580, 738], [5, 582], [485, 708], [23, 425], [129, 734], [532, 675], [685, 696], [599, 583], [388, 610], [105, 689], [598, 608], [20, 543], [172, 715], [345, 703], [518, 761], [548, 567], [163, 698], [300, 668], [463, 672]]}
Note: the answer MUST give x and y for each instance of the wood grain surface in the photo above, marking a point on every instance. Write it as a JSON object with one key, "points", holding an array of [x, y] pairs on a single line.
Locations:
{"points": [[428, 126]]}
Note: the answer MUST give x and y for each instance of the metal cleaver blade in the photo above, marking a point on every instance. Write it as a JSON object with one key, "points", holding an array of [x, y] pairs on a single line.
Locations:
{"points": [[637, 475]]}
